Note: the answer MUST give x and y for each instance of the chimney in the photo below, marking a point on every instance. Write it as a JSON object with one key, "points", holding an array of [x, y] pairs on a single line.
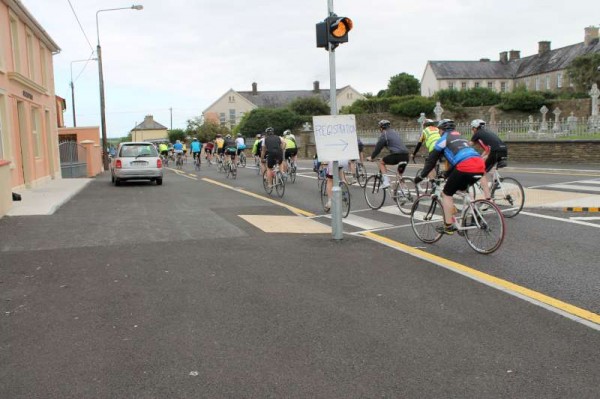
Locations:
{"points": [[254, 88], [148, 119], [591, 35], [543, 47], [504, 57], [316, 86], [514, 55], [484, 60]]}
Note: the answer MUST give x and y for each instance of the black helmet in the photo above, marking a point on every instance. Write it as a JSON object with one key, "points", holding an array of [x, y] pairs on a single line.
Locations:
{"points": [[446, 124], [384, 124], [269, 130], [429, 122]]}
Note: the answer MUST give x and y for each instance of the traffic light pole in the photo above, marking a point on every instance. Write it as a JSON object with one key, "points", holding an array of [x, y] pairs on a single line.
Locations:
{"points": [[337, 229]]}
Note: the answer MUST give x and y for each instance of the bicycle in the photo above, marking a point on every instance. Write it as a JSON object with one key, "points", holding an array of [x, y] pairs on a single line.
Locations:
{"points": [[403, 191], [179, 161], [278, 181], [345, 197], [219, 162], [257, 164], [292, 170], [231, 169], [480, 221], [197, 162], [506, 192], [359, 174], [321, 170], [165, 160], [242, 159]]}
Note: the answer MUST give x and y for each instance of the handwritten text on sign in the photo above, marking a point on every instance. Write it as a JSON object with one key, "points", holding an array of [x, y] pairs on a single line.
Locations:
{"points": [[335, 137]]}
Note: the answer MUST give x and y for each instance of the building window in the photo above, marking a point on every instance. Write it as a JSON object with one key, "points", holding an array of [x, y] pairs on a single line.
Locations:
{"points": [[349, 96], [491, 85], [559, 82], [537, 83], [463, 85], [222, 118], [232, 117], [231, 99], [451, 85], [477, 85], [35, 132], [14, 38], [30, 64], [503, 87], [547, 82]]}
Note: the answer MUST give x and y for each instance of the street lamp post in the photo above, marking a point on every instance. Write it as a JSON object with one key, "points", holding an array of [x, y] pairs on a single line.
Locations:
{"points": [[73, 88], [101, 78]]}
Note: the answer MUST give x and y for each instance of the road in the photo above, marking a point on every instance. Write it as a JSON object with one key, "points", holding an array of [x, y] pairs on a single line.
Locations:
{"points": [[177, 291]]}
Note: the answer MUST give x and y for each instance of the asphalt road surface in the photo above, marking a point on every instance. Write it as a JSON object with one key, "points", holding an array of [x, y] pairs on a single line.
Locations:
{"points": [[177, 291]]}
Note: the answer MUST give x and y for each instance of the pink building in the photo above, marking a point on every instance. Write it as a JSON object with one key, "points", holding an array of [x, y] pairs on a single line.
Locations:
{"points": [[28, 108]]}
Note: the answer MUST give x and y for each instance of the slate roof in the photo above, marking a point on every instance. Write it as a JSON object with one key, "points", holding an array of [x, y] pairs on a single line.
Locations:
{"points": [[150, 124], [553, 60], [278, 99]]}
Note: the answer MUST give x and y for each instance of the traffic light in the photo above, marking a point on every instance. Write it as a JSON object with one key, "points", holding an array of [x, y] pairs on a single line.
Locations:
{"points": [[333, 30]]}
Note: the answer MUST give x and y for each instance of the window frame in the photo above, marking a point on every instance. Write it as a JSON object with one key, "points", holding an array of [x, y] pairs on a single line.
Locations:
{"points": [[15, 42], [29, 40], [36, 133]]}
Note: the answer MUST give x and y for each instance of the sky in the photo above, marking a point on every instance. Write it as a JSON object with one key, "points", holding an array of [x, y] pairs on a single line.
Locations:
{"points": [[185, 54]]}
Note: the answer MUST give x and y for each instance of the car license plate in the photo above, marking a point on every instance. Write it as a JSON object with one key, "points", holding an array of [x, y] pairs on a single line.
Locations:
{"points": [[139, 163]]}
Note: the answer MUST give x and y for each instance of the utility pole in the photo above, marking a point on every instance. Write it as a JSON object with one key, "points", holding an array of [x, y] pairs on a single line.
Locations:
{"points": [[171, 109]]}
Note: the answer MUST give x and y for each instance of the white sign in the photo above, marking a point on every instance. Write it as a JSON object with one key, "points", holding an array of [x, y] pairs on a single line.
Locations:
{"points": [[335, 137]]}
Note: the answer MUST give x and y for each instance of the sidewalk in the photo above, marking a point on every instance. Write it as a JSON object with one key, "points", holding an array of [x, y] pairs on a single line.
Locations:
{"points": [[46, 198]]}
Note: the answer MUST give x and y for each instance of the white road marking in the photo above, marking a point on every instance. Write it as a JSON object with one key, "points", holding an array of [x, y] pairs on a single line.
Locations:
{"points": [[364, 223], [585, 218], [560, 219], [575, 187]]}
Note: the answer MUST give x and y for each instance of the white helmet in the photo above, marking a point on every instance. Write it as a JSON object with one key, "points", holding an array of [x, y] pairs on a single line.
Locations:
{"points": [[477, 123]]}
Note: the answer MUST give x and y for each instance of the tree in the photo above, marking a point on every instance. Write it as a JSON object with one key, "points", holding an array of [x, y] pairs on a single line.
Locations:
{"points": [[310, 106], [403, 84], [583, 71], [176, 134], [209, 130], [257, 120]]}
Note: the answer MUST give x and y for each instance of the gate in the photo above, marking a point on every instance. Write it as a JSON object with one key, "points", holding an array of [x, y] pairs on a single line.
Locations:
{"points": [[72, 159]]}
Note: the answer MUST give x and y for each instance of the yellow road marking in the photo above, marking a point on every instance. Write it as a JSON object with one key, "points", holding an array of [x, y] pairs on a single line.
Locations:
{"points": [[484, 277], [251, 194], [182, 173]]}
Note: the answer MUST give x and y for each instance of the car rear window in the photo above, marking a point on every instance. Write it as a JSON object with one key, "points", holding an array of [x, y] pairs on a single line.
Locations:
{"points": [[138, 150]]}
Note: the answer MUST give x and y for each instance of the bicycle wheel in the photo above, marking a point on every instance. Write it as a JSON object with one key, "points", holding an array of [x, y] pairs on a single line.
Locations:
{"points": [[509, 196], [484, 226], [268, 188], [243, 160], [292, 175], [374, 194], [426, 216], [345, 199], [323, 194], [361, 174], [228, 170], [233, 171], [279, 184], [407, 194]]}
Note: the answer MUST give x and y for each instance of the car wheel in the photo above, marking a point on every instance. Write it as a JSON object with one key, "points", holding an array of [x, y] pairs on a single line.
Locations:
{"points": [[159, 182]]}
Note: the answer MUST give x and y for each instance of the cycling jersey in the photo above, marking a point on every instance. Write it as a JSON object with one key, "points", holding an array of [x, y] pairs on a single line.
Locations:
{"points": [[430, 136], [219, 142], [162, 148], [196, 146], [256, 147], [290, 142], [391, 139], [488, 140], [178, 147], [240, 143], [230, 145], [458, 153]]}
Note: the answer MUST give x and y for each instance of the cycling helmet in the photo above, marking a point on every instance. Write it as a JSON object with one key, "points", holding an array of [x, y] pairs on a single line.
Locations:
{"points": [[287, 132], [228, 136], [269, 130], [429, 122], [195, 139], [218, 135], [477, 123], [239, 135], [446, 124], [384, 124], [258, 136]]}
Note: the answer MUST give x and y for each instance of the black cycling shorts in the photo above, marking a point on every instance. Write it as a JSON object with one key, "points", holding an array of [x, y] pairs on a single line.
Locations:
{"points": [[459, 181], [400, 159], [274, 158], [497, 156], [290, 153]]}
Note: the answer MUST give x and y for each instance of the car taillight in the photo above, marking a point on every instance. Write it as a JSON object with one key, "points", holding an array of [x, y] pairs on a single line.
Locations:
{"points": [[118, 164], [158, 163]]}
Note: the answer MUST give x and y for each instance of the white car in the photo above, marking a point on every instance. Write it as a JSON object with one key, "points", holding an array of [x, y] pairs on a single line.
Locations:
{"points": [[136, 161]]}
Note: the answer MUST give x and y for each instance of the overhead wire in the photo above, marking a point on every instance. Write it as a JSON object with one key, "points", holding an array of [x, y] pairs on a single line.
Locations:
{"points": [[80, 26]]}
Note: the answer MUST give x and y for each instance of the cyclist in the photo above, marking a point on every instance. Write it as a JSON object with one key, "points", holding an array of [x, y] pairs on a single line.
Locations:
{"points": [[494, 150], [219, 142], [291, 148], [184, 151], [272, 151], [256, 147], [466, 166], [429, 136], [196, 148], [230, 148], [240, 144], [398, 152], [178, 149], [208, 151], [163, 149], [329, 175]]}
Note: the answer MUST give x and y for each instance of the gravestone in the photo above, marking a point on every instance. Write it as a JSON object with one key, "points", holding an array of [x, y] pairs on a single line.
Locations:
{"points": [[544, 124], [556, 128], [572, 122], [594, 121], [438, 110]]}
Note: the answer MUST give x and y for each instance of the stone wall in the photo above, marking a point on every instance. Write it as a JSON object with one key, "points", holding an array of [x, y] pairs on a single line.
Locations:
{"points": [[552, 152]]}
